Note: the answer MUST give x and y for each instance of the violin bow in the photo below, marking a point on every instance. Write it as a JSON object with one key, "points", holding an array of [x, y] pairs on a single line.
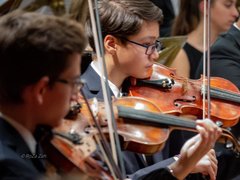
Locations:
{"points": [[98, 41], [206, 57]]}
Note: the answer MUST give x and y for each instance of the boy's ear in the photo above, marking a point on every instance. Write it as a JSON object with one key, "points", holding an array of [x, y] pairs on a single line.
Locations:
{"points": [[36, 92], [201, 7], [110, 44], [41, 88]]}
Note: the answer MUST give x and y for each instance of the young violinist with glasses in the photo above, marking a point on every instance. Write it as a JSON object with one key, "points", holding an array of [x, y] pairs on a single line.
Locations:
{"points": [[130, 30]]}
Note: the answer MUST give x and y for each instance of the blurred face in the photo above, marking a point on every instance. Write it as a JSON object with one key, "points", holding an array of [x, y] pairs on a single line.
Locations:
{"points": [[131, 59], [57, 99], [223, 14]]}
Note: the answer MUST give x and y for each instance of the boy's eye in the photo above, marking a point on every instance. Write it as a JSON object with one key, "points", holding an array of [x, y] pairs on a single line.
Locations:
{"points": [[228, 4], [148, 44]]}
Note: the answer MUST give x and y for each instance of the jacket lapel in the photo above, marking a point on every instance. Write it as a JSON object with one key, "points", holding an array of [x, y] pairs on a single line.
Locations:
{"points": [[11, 138], [92, 84], [236, 34]]}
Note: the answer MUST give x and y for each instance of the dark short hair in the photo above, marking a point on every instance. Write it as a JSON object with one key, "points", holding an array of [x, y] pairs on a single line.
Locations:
{"points": [[123, 18], [34, 45]]}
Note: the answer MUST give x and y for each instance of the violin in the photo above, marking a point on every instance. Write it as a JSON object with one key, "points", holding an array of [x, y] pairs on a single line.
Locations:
{"points": [[177, 95], [142, 128], [69, 147]]}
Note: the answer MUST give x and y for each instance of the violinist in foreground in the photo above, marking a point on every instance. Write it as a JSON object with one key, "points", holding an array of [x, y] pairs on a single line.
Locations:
{"points": [[39, 76], [130, 31]]}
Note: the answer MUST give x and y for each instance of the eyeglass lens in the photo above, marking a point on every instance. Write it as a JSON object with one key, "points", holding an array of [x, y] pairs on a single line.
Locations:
{"points": [[152, 48]]}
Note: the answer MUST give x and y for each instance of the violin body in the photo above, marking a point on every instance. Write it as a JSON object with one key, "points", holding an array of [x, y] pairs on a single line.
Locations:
{"points": [[142, 128], [184, 96]]}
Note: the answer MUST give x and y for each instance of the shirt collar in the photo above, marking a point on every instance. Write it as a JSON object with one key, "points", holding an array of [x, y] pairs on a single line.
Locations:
{"points": [[235, 25], [116, 91], [24, 132]]}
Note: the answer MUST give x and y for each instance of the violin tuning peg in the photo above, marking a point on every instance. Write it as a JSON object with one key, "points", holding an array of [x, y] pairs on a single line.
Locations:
{"points": [[219, 123], [172, 81], [169, 83], [229, 145], [164, 84]]}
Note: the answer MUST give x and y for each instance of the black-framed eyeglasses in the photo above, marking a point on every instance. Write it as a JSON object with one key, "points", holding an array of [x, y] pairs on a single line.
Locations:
{"points": [[76, 84], [157, 46]]}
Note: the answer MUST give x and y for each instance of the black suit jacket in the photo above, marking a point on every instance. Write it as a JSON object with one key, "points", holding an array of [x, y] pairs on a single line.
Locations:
{"points": [[14, 163], [134, 164]]}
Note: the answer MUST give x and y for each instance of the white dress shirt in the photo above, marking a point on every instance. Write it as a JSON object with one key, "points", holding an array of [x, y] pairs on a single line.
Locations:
{"points": [[116, 91], [236, 26]]}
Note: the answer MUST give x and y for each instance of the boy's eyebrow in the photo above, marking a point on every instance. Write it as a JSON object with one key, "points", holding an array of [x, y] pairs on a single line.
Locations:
{"points": [[149, 38], [231, 1]]}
